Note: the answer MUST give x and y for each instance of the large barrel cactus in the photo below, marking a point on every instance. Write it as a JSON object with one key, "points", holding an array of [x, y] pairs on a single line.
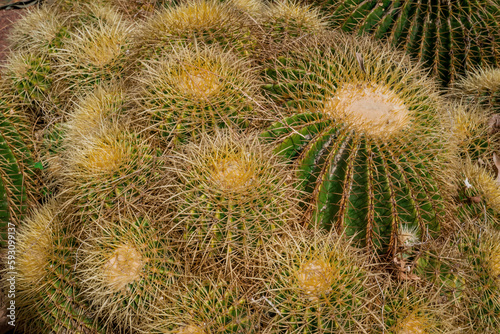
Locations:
{"points": [[364, 135], [449, 37]]}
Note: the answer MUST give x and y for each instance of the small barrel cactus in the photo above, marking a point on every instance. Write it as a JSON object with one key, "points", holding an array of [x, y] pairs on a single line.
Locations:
{"points": [[314, 284], [287, 18], [109, 170], [473, 133], [481, 247], [47, 290], [362, 125], [204, 306], [448, 37], [408, 309], [124, 266], [195, 91], [197, 22], [29, 76], [234, 195], [478, 193], [480, 86], [94, 54]]}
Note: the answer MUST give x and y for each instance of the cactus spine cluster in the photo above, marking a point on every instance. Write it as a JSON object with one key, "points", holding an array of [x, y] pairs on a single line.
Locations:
{"points": [[196, 91], [124, 267], [234, 195], [314, 284], [47, 289]]}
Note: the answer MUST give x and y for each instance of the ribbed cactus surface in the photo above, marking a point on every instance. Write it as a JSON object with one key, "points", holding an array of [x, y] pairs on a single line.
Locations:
{"points": [[449, 37], [16, 166], [47, 290], [362, 137]]}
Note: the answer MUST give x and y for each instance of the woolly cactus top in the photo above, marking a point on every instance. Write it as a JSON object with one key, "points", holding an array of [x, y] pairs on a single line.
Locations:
{"points": [[315, 278], [123, 267], [372, 108]]}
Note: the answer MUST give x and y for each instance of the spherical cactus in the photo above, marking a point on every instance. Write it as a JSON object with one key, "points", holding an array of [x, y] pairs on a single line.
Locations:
{"points": [[480, 86], [29, 78], [441, 264], [481, 247], [124, 266], [234, 194], [288, 19], [197, 22], [478, 193], [93, 54], [96, 110], [195, 91], [47, 293], [110, 170], [314, 284], [472, 133], [362, 125], [41, 29], [204, 306], [410, 310], [448, 37]]}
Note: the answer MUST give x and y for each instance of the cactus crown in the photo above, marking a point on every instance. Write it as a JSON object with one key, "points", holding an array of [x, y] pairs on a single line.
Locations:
{"points": [[315, 278], [36, 244], [123, 267], [191, 329], [98, 47], [198, 81], [41, 28], [233, 172], [292, 16], [104, 155], [413, 324], [480, 80], [93, 110], [371, 108]]}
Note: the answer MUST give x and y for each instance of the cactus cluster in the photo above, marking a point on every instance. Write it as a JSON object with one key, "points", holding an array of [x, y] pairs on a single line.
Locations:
{"points": [[239, 166]]}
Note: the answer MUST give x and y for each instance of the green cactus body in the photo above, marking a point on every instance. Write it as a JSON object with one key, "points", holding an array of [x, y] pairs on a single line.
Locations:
{"points": [[94, 54], [124, 266], [315, 284], [287, 19], [47, 292], [234, 195], [197, 22], [204, 307], [109, 170], [481, 248], [448, 37], [198, 91], [364, 140], [16, 170], [40, 30], [408, 309], [480, 86], [29, 78]]}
